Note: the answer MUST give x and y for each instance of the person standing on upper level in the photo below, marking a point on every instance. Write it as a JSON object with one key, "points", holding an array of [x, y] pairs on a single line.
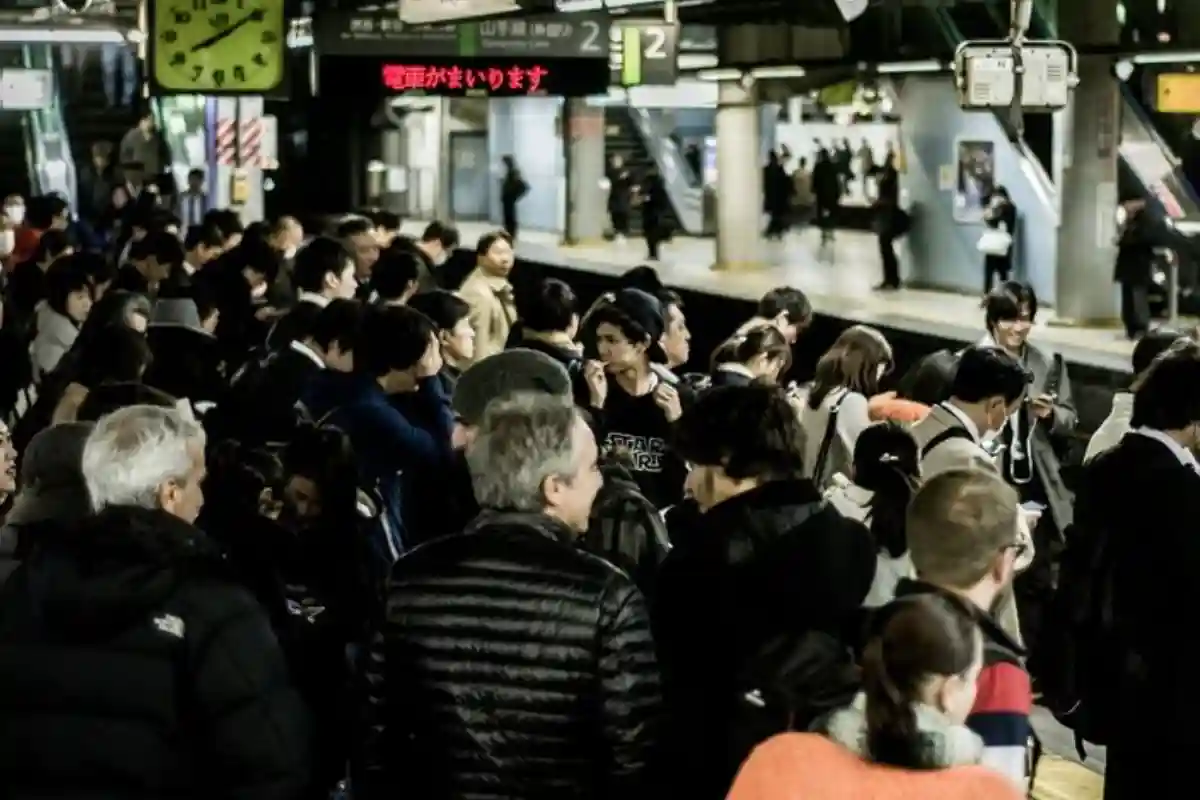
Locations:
{"points": [[512, 188], [141, 145]]}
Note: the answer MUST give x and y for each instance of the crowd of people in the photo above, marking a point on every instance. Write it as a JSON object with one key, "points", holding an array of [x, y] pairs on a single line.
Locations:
{"points": [[304, 512]]}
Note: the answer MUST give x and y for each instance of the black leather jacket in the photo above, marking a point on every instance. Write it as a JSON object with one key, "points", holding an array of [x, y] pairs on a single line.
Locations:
{"points": [[510, 665]]}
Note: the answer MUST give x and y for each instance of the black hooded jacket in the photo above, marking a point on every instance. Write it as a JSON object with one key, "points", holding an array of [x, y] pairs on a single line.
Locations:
{"points": [[131, 668], [770, 562]]}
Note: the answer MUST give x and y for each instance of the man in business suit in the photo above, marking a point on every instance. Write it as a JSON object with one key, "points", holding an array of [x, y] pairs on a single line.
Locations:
{"points": [[1143, 496], [193, 201], [988, 387], [490, 295]]}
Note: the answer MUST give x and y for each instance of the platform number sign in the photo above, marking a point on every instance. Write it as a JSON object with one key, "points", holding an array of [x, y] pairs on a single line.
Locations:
{"points": [[644, 52]]}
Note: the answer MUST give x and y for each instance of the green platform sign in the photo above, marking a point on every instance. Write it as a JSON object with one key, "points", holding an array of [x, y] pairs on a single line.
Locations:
{"points": [[644, 52]]}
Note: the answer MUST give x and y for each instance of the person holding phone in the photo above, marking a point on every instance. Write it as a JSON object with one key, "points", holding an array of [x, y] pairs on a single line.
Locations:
{"points": [[1030, 443]]}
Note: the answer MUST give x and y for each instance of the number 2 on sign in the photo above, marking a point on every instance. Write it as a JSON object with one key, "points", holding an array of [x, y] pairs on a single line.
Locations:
{"points": [[657, 48]]}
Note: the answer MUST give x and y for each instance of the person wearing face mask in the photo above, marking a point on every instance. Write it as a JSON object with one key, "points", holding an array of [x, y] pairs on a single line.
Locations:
{"points": [[8, 241], [989, 386], [437, 243], [1032, 439]]}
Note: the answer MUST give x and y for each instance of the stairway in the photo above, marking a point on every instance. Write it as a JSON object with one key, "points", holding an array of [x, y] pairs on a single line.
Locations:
{"points": [[14, 164], [87, 114], [622, 137]]}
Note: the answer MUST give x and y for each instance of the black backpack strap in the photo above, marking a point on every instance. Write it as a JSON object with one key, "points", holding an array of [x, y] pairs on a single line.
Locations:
{"points": [[955, 432], [827, 440]]}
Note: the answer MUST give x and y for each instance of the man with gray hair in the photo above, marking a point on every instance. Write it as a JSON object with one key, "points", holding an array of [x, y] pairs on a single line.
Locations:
{"points": [[129, 663], [510, 658]]}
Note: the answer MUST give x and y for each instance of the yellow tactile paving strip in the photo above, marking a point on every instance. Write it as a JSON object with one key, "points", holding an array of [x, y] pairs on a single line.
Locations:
{"points": [[1059, 779]]}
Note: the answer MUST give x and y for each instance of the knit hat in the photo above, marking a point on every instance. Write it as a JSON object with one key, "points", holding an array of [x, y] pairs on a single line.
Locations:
{"points": [[644, 309], [516, 370], [52, 485]]}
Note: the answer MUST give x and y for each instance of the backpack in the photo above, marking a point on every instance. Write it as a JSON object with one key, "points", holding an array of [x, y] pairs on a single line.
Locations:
{"points": [[1082, 660], [793, 681]]}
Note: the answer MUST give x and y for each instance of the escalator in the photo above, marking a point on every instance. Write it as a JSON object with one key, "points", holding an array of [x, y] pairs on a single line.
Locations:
{"points": [[632, 133], [621, 138], [88, 115], [15, 169]]}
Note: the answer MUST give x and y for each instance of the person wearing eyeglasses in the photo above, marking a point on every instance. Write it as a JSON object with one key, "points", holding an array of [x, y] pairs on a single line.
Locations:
{"points": [[963, 537]]}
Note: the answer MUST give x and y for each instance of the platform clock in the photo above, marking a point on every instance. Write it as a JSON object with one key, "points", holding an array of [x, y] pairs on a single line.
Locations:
{"points": [[217, 46]]}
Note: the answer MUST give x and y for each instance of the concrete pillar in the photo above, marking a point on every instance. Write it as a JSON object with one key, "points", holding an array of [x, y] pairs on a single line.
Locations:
{"points": [[586, 214], [220, 182], [1084, 291], [441, 198], [739, 178]]}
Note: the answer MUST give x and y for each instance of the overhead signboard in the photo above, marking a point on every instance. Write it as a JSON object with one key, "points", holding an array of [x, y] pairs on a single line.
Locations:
{"points": [[480, 77], [424, 12], [382, 35], [26, 89], [644, 52], [1177, 93]]}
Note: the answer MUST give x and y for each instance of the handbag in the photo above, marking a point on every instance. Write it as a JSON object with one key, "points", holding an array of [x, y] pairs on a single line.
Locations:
{"points": [[994, 242]]}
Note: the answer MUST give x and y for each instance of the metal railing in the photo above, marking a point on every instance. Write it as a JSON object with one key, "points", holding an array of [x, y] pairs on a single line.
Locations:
{"points": [[51, 161], [1153, 160], [688, 200]]}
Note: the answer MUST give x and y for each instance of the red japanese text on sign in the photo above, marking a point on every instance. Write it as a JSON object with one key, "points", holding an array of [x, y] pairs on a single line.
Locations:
{"points": [[410, 77]]}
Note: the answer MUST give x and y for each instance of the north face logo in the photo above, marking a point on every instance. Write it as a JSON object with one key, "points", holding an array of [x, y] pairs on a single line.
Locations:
{"points": [[170, 625]]}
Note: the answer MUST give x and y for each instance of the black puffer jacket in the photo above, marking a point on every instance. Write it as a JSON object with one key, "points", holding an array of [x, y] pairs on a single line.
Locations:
{"points": [[511, 665], [130, 668]]}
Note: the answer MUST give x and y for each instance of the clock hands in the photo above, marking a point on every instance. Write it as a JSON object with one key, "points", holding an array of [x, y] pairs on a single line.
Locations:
{"points": [[257, 15]]}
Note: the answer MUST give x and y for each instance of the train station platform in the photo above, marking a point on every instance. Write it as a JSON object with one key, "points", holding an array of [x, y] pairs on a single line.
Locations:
{"points": [[839, 283], [838, 279]]}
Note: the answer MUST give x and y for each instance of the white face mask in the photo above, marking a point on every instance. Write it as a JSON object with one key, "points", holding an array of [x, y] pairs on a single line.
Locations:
{"points": [[15, 214], [8, 241], [258, 291], [290, 252]]}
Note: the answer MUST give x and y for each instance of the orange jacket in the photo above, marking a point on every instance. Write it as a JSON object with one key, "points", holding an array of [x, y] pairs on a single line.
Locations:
{"points": [[888, 406], [806, 766]]}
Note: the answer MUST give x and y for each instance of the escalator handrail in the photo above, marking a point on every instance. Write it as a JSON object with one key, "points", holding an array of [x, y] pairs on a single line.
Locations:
{"points": [[687, 199], [33, 142], [1045, 185], [160, 121], [1147, 124], [48, 123]]}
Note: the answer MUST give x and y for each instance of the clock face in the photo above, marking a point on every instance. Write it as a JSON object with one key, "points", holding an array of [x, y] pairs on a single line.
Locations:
{"points": [[208, 46]]}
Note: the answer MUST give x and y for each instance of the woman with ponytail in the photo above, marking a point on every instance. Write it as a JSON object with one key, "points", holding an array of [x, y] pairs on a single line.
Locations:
{"points": [[757, 354], [904, 735], [885, 474]]}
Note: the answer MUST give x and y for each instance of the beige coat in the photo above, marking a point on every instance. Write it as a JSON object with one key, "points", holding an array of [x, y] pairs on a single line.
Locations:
{"points": [[493, 312], [969, 454]]}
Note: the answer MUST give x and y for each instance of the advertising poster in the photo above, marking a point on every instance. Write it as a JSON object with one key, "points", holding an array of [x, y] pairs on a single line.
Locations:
{"points": [[975, 162]]}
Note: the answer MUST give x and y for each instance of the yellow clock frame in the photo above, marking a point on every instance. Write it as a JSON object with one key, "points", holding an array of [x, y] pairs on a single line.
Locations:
{"points": [[232, 47]]}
